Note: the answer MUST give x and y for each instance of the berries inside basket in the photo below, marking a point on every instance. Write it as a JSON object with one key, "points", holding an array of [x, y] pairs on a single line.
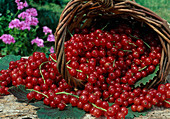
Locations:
{"points": [[112, 41]]}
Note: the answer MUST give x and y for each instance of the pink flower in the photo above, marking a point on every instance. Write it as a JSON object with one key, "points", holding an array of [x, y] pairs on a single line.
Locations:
{"points": [[47, 30], [51, 38], [17, 1], [34, 21], [14, 23], [39, 42], [23, 15], [51, 50], [23, 25], [20, 5], [7, 39], [32, 12], [31, 20], [28, 19], [25, 4]]}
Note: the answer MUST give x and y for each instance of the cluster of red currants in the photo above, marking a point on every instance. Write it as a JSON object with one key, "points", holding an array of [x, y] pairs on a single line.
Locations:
{"points": [[31, 72], [147, 98], [110, 63], [47, 85], [114, 56]]}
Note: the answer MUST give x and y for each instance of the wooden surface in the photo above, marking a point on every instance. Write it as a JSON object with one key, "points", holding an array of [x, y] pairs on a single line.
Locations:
{"points": [[11, 109]]}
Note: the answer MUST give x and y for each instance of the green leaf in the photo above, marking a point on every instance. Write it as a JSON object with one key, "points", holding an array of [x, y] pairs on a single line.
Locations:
{"points": [[2, 45], [17, 49], [132, 114], [4, 51], [4, 62], [148, 78], [110, 104], [46, 112], [39, 104], [19, 92]]}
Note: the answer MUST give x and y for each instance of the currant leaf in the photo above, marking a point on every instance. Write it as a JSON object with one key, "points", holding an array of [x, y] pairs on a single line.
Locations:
{"points": [[19, 92], [4, 62], [46, 112], [132, 114], [148, 78], [39, 104]]}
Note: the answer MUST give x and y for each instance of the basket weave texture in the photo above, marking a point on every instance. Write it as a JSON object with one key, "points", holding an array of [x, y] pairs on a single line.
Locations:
{"points": [[85, 13]]}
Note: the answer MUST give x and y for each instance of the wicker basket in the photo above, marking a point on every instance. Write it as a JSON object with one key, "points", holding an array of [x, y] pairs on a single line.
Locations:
{"points": [[91, 12]]}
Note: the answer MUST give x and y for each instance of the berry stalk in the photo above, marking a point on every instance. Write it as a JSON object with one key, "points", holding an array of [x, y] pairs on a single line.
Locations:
{"points": [[41, 71], [67, 94], [38, 92]]}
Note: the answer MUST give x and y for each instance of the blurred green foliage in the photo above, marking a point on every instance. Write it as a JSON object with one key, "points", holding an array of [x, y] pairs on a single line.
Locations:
{"points": [[6, 5], [4, 22], [48, 15], [161, 7], [43, 2], [49, 11]]}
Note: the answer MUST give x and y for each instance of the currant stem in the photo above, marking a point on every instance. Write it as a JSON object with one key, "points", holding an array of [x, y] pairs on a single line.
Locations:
{"points": [[127, 50], [78, 97], [99, 107], [41, 71], [87, 76], [70, 33], [79, 70], [67, 94], [147, 44], [132, 44], [133, 36], [114, 62], [142, 40], [37, 92], [142, 68], [105, 26], [166, 101], [53, 59], [68, 62], [69, 67], [108, 97], [76, 69]]}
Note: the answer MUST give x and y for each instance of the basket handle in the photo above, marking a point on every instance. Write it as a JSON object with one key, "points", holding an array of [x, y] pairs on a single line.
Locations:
{"points": [[105, 3], [108, 3]]}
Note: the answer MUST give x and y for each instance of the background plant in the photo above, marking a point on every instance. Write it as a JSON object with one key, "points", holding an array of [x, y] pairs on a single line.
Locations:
{"points": [[20, 29], [161, 7], [49, 11]]}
